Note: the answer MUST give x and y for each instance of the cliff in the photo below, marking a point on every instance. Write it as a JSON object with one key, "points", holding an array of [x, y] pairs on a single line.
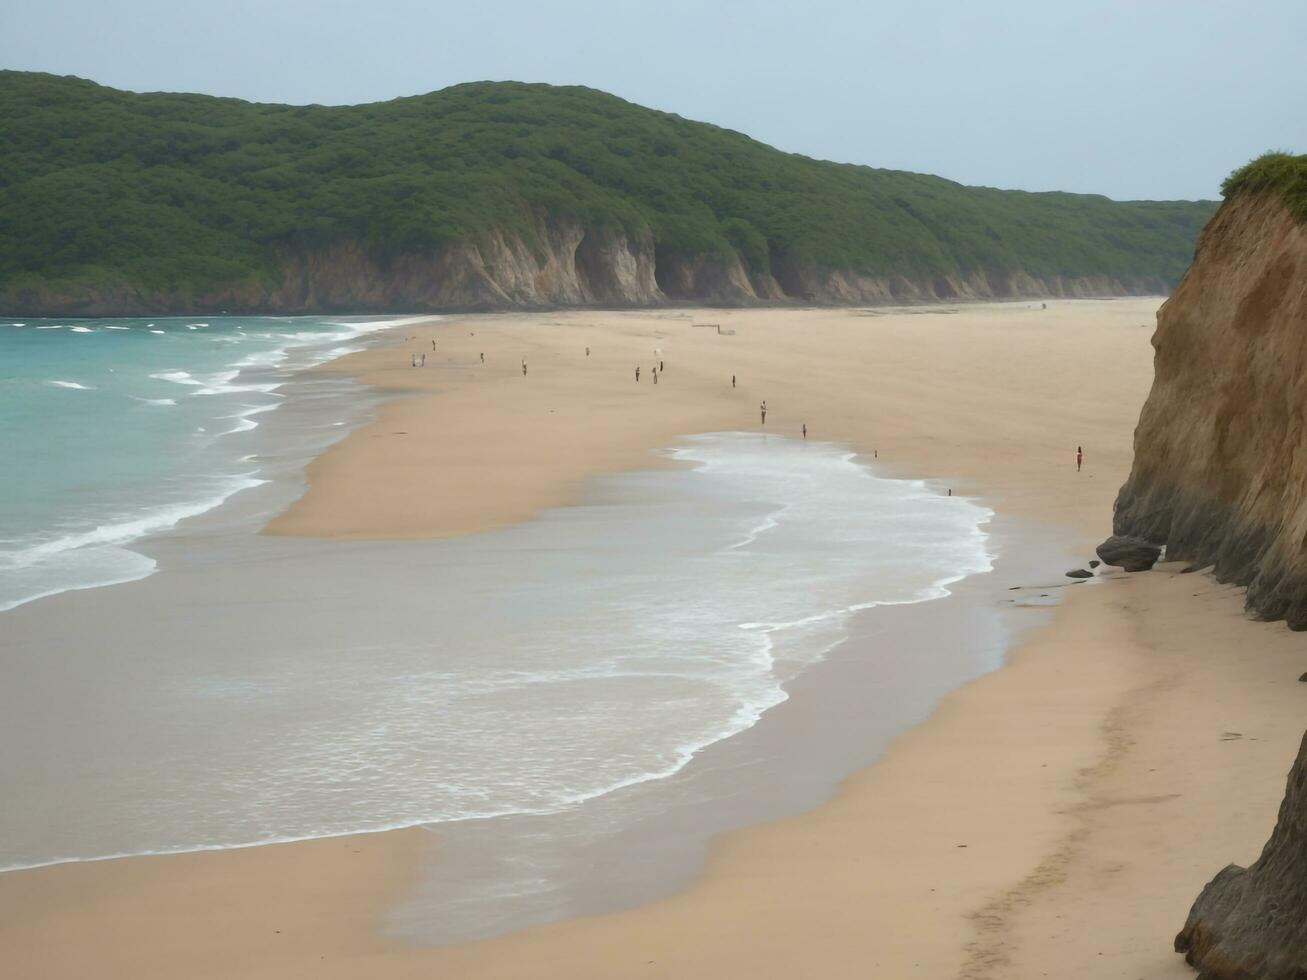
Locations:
{"points": [[1220, 467], [562, 265], [1220, 480]]}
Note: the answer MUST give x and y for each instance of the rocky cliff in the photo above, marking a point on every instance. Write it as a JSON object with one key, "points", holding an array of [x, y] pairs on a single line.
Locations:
{"points": [[1220, 468], [1220, 480], [562, 264]]}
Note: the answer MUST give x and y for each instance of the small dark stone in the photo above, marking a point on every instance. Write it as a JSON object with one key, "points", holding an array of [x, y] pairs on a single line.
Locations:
{"points": [[1079, 573], [1303, 678], [1132, 554], [1094, 563]]}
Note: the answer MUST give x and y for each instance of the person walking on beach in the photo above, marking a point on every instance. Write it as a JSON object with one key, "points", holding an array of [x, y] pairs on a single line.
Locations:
{"points": [[587, 352], [433, 345], [637, 374], [655, 375], [483, 357], [764, 413], [1080, 457], [660, 364], [424, 360], [524, 367], [805, 430]]}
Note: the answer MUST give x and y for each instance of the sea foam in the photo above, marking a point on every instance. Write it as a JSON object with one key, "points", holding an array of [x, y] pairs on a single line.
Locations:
{"points": [[526, 671]]}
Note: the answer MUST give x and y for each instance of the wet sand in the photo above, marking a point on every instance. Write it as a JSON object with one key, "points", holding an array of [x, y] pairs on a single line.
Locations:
{"points": [[1055, 817]]}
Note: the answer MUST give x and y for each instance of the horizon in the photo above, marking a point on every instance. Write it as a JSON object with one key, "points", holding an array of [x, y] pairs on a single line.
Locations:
{"points": [[1120, 104]]}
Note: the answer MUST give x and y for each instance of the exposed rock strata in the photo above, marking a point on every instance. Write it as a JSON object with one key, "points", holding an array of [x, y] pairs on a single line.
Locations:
{"points": [[1220, 479], [1220, 468], [561, 263]]}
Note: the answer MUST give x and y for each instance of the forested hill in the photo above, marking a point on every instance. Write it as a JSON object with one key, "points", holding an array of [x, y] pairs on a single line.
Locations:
{"points": [[501, 195]]}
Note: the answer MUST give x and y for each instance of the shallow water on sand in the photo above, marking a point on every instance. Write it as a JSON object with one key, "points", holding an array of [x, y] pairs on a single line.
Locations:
{"points": [[114, 429], [267, 689]]}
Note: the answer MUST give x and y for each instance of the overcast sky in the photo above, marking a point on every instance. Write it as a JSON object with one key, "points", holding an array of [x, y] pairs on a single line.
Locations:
{"points": [[1129, 98]]}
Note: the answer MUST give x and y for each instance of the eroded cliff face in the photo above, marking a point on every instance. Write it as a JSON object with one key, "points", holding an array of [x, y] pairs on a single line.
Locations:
{"points": [[1220, 479], [566, 264], [1220, 468]]}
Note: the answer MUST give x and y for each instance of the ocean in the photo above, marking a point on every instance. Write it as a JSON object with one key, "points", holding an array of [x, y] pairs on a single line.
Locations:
{"points": [[186, 683], [118, 428]]}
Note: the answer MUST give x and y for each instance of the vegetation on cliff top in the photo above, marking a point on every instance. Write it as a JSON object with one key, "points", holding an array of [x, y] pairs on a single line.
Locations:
{"points": [[1276, 172], [104, 188]]}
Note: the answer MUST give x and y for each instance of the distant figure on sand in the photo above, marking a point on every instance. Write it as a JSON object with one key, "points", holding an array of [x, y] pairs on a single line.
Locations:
{"points": [[637, 374], [424, 360], [587, 352], [655, 375], [433, 345], [732, 381], [524, 369], [413, 360], [805, 430], [764, 413], [660, 365], [483, 358], [1080, 457]]}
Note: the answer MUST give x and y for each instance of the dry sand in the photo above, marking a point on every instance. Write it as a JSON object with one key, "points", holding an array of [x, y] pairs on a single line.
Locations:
{"points": [[1054, 818]]}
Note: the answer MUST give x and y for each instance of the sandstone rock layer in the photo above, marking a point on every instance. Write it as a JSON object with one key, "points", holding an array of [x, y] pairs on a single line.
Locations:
{"points": [[1220, 480], [1220, 467]]}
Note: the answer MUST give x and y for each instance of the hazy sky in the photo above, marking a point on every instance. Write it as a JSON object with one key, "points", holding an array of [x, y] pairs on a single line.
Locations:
{"points": [[1130, 98]]}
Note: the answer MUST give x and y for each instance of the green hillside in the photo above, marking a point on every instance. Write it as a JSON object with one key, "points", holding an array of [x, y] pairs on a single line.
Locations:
{"points": [[159, 191], [1277, 173]]}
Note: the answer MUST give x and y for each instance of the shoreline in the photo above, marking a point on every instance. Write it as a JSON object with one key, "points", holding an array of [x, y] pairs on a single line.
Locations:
{"points": [[705, 773], [1074, 681]]}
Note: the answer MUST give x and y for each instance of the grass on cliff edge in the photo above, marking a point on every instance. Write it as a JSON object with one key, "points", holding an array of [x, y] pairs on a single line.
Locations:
{"points": [[1277, 172], [103, 188]]}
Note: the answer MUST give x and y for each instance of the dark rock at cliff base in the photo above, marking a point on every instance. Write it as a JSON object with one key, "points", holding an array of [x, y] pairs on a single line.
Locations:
{"points": [[1249, 923], [1079, 573], [1303, 678], [1095, 563], [1131, 553]]}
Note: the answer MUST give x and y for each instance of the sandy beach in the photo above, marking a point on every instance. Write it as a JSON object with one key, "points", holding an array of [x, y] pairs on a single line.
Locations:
{"points": [[1053, 818]]}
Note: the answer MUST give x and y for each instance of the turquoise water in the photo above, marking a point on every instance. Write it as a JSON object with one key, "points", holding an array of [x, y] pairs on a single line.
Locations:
{"points": [[111, 430]]}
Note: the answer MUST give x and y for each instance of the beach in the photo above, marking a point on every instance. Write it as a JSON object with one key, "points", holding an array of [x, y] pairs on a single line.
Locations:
{"points": [[1053, 817]]}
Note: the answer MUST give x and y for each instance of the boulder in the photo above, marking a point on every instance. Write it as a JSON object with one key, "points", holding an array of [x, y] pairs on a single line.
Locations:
{"points": [[1251, 923], [1128, 552], [1079, 573]]}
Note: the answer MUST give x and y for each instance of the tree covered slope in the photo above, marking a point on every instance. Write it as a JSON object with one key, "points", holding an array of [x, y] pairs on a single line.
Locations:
{"points": [[114, 201]]}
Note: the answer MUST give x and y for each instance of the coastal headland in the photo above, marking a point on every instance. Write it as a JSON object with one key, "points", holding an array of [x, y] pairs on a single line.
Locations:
{"points": [[1054, 817]]}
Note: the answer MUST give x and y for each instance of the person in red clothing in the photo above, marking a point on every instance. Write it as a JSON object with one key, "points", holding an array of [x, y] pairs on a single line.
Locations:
{"points": [[1080, 457]]}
